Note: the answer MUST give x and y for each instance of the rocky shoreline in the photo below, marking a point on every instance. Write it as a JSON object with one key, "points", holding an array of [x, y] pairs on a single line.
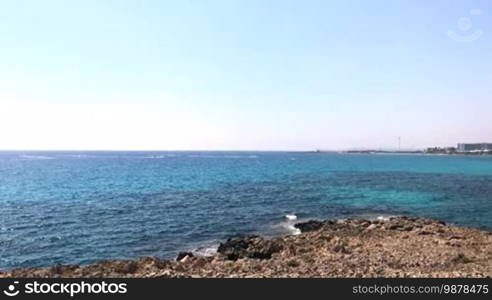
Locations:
{"points": [[394, 247]]}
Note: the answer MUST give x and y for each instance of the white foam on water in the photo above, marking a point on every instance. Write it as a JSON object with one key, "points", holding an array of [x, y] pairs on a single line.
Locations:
{"points": [[222, 156], [76, 155], [202, 156], [155, 157], [287, 227], [34, 157], [374, 217], [385, 217], [291, 217], [205, 251], [161, 156], [294, 230]]}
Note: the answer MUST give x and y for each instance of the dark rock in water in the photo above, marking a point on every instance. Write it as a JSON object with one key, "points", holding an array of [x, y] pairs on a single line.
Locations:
{"points": [[309, 225], [182, 255], [249, 247]]}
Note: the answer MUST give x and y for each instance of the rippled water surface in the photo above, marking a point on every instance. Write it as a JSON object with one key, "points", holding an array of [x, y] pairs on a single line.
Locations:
{"points": [[81, 207]]}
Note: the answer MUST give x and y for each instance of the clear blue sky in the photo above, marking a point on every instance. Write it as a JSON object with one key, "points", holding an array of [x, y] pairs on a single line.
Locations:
{"points": [[264, 75]]}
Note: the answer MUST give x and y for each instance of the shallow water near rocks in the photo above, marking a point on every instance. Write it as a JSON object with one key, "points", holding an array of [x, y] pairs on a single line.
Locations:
{"points": [[82, 207]]}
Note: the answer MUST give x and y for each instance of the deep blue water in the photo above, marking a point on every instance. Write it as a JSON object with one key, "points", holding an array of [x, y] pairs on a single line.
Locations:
{"points": [[81, 207]]}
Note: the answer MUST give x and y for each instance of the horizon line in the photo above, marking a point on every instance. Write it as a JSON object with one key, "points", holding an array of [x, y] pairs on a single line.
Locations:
{"points": [[158, 150], [218, 150]]}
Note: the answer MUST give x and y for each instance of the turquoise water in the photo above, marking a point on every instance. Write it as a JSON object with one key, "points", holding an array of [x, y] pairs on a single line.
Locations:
{"points": [[81, 207]]}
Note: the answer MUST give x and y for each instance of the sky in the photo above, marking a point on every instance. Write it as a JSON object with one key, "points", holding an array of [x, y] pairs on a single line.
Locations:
{"points": [[244, 75]]}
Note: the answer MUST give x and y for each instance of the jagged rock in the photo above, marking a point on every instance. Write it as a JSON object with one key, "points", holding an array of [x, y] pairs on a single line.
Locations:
{"points": [[250, 247], [183, 255], [343, 248], [60, 269], [309, 225], [407, 228], [395, 226], [125, 267]]}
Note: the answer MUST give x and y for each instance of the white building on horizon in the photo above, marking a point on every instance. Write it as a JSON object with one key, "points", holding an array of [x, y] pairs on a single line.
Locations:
{"points": [[474, 147]]}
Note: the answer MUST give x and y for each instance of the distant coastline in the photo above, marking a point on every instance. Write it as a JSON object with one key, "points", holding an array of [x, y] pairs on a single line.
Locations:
{"points": [[429, 151], [460, 149]]}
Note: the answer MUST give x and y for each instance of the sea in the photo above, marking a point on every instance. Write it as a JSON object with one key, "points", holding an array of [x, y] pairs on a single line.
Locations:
{"points": [[83, 207]]}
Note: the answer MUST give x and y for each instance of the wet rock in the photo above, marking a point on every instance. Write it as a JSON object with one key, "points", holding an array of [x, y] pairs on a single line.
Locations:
{"points": [[309, 225], [249, 247]]}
